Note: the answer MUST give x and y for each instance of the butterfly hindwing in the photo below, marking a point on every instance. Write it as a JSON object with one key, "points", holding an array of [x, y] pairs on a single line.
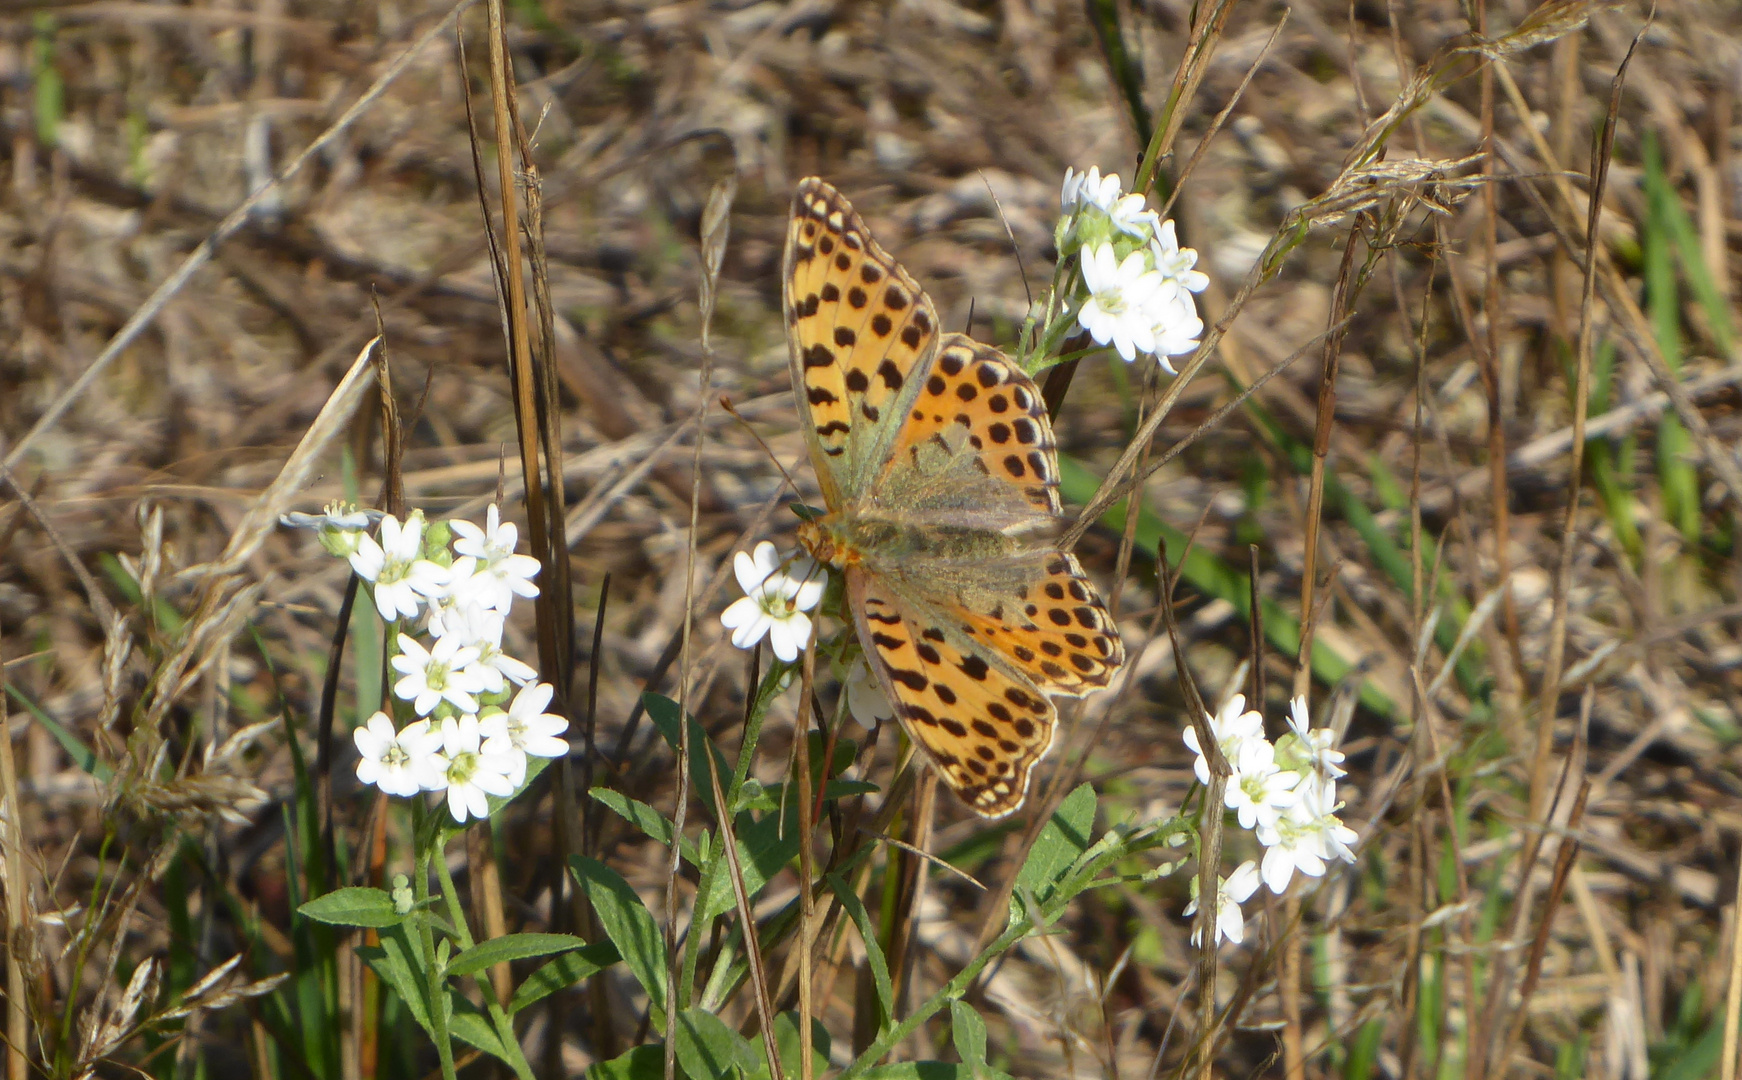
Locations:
{"points": [[858, 326], [982, 724]]}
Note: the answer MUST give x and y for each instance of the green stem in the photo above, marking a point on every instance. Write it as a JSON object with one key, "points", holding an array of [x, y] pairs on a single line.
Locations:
{"points": [[504, 1024], [438, 995], [765, 694]]}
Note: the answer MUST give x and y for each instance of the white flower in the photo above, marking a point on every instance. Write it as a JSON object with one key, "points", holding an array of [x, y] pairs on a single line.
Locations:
{"points": [[339, 526], [1259, 791], [1232, 728], [525, 729], [866, 701], [1231, 892], [497, 575], [480, 628], [1317, 746], [1174, 262], [1307, 835], [393, 760], [466, 771], [1132, 215], [1089, 189], [1176, 327], [446, 672], [1317, 810], [1121, 295], [775, 601], [396, 568]]}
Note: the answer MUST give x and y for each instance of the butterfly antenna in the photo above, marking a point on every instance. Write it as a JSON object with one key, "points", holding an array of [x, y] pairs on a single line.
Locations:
{"points": [[1008, 231], [726, 404], [969, 330]]}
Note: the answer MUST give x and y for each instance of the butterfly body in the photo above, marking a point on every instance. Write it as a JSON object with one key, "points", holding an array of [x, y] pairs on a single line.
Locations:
{"points": [[937, 462]]}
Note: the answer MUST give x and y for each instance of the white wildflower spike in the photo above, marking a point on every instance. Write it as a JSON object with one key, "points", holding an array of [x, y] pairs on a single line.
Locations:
{"points": [[466, 771], [496, 575], [1232, 727], [775, 601], [1231, 892], [1122, 297], [396, 568], [393, 760], [1259, 791], [446, 672], [525, 729]]}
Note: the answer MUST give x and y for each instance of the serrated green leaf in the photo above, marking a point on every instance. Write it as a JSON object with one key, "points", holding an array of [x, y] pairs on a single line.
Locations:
{"points": [[354, 905], [968, 1032], [1064, 837], [707, 1049], [640, 1063], [511, 947], [627, 922], [565, 970]]}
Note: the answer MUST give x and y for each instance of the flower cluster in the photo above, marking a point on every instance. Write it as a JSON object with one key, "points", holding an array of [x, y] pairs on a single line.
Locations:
{"points": [[1139, 280], [1285, 793], [468, 739]]}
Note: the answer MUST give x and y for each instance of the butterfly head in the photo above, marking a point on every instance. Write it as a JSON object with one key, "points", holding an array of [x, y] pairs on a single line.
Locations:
{"points": [[827, 542]]}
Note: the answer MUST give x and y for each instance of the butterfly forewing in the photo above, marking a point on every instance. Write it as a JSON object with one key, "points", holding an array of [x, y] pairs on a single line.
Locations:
{"points": [[982, 724], [858, 328]]}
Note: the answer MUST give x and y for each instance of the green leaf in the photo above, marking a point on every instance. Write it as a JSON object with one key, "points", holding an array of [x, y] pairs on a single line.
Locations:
{"points": [[664, 713], [855, 910], [393, 962], [919, 1070], [644, 817], [968, 1032], [707, 1049], [641, 1063], [468, 1023], [786, 1043], [354, 905], [628, 924], [764, 849], [511, 947], [1064, 837], [566, 970]]}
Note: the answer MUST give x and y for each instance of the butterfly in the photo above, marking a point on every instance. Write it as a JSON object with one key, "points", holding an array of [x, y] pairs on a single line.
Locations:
{"points": [[940, 474]]}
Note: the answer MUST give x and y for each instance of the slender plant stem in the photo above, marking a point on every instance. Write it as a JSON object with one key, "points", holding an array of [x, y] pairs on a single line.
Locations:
{"points": [[492, 1004], [438, 998]]}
